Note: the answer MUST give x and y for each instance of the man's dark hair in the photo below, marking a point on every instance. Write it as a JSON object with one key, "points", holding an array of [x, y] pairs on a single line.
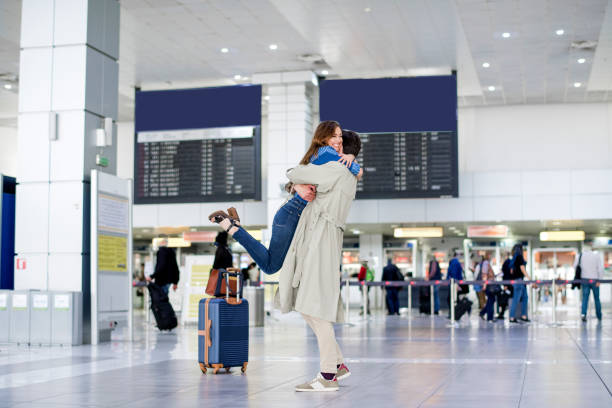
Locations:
{"points": [[351, 142]]}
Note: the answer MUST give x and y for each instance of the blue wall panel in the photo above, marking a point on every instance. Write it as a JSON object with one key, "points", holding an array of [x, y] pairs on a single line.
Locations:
{"points": [[391, 104], [198, 108]]}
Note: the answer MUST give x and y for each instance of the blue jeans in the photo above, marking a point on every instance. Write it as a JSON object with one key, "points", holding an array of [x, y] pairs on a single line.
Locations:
{"points": [[166, 288], [436, 298], [392, 300], [520, 295], [586, 290], [285, 222], [488, 309]]}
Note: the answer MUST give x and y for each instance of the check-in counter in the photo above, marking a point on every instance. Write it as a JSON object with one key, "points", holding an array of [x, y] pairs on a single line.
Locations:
{"points": [[40, 318], [20, 317], [5, 312], [67, 318]]}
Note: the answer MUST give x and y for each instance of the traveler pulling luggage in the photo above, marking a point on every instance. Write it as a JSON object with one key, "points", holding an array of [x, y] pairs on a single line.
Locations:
{"points": [[223, 328], [161, 307]]}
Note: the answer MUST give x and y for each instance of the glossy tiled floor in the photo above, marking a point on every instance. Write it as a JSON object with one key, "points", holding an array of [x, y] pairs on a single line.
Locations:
{"points": [[395, 362]]}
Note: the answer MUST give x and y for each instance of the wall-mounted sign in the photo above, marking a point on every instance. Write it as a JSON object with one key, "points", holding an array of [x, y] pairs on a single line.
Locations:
{"points": [[487, 231]]}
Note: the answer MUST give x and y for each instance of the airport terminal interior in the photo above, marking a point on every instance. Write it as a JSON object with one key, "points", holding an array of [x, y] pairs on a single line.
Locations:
{"points": [[306, 203]]}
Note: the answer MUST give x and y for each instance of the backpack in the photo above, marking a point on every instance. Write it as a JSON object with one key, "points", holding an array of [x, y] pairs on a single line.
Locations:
{"points": [[369, 275]]}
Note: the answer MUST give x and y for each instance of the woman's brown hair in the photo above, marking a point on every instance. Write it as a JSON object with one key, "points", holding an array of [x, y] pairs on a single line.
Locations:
{"points": [[323, 133]]}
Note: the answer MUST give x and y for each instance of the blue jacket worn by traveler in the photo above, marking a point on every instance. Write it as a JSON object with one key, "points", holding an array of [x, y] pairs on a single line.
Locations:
{"points": [[455, 270], [391, 273]]}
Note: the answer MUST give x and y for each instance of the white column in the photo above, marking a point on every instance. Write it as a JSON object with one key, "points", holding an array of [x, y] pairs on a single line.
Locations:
{"points": [[288, 130], [371, 249], [68, 86]]}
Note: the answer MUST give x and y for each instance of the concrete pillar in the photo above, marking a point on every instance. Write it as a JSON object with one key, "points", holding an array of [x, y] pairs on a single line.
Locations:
{"points": [[287, 130], [68, 86], [371, 249]]}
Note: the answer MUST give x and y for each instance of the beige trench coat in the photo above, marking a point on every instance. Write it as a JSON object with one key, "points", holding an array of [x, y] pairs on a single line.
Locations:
{"points": [[309, 280]]}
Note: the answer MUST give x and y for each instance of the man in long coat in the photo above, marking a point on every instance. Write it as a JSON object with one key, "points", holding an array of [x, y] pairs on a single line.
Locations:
{"points": [[309, 280]]}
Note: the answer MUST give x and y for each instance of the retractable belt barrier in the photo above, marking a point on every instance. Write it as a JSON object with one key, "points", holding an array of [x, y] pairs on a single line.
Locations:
{"points": [[534, 283]]}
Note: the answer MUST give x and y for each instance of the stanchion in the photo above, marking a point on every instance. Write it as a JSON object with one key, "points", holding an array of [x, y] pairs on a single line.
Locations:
{"points": [[453, 295], [409, 300], [431, 300], [348, 299], [364, 289], [554, 301], [532, 300]]}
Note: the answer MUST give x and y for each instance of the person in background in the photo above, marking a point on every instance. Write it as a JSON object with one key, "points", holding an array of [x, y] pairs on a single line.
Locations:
{"points": [[520, 290], [392, 273], [455, 271], [166, 269], [592, 269], [363, 276], [434, 274], [506, 290], [490, 289], [479, 289], [223, 255]]}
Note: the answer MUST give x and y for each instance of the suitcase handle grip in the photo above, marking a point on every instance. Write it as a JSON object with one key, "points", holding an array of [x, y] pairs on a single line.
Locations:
{"points": [[227, 272]]}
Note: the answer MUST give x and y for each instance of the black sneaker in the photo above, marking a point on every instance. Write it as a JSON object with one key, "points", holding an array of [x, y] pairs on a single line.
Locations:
{"points": [[584, 318], [513, 320], [482, 317], [524, 319]]}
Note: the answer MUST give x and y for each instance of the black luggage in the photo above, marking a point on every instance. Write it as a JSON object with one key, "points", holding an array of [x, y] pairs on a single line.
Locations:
{"points": [[161, 307], [424, 302], [463, 305]]}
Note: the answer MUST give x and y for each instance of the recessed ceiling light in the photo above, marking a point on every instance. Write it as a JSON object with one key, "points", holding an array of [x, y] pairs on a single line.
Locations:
{"points": [[8, 86], [245, 78], [237, 77], [506, 35], [560, 32], [577, 84], [273, 47], [486, 65], [225, 50], [367, 9], [581, 60], [324, 72], [356, 232], [491, 88]]}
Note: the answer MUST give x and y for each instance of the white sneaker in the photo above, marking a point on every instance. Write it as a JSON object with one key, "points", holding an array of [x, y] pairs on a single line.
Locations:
{"points": [[318, 384]]}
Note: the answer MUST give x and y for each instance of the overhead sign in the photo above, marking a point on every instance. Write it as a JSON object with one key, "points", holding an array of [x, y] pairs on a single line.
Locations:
{"points": [[487, 231]]}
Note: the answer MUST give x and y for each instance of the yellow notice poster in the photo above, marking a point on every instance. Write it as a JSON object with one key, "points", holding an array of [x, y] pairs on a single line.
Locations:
{"points": [[112, 253]]}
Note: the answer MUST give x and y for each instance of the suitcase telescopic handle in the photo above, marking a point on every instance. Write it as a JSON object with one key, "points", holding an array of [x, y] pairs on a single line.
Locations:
{"points": [[232, 272]]}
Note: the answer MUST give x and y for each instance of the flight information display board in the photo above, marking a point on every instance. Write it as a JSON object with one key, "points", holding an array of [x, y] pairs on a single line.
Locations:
{"points": [[198, 165], [408, 165]]}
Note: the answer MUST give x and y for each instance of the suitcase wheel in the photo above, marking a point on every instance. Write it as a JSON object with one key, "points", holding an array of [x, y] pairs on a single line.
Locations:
{"points": [[203, 368], [244, 367], [216, 368]]}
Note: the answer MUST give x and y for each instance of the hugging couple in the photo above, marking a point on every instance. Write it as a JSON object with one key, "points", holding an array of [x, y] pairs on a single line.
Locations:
{"points": [[306, 242]]}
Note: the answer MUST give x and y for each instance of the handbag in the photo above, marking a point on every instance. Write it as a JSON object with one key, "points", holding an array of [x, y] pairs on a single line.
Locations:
{"points": [[578, 274], [217, 286]]}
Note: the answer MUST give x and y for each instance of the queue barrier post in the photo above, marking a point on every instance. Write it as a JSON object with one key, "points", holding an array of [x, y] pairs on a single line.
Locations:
{"points": [[453, 296], [347, 296], [431, 300], [410, 299], [364, 290], [554, 301]]}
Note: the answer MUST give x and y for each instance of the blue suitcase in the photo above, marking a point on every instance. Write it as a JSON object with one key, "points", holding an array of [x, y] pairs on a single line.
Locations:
{"points": [[223, 330]]}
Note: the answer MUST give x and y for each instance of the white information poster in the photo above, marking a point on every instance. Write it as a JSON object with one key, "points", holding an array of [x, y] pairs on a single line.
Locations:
{"points": [[111, 256], [196, 273], [40, 302]]}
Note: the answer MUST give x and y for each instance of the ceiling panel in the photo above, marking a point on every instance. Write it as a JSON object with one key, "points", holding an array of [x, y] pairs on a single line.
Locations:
{"points": [[176, 43]]}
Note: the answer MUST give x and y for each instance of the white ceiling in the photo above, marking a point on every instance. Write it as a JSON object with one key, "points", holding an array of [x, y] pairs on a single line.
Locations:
{"points": [[176, 43]]}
